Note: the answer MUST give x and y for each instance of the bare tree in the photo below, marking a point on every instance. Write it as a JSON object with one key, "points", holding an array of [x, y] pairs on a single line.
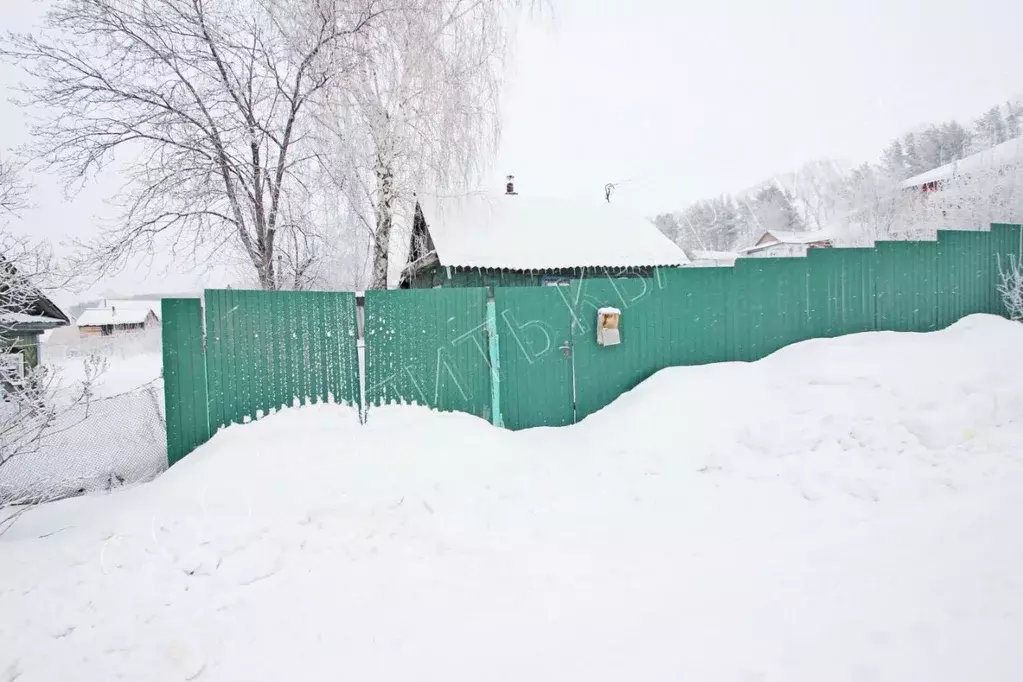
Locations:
{"points": [[421, 110], [12, 190], [206, 108]]}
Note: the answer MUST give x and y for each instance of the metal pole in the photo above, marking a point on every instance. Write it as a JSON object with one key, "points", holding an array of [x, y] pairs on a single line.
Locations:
{"points": [[495, 362]]}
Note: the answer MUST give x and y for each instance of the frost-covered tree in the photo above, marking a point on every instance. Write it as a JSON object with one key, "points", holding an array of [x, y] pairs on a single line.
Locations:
{"points": [[772, 209], [875, 197], [820, 189], [869, 202], [717, 223], [668, 225], [990, 129], [13, 191], [914, 164], [206, 108], [893, 160], [1010, 287], [420, 111], [1013, 112], [956, 141]]}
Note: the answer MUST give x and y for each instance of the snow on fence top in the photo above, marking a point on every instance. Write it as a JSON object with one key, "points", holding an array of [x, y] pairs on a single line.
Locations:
{"points": [[95, 317], [785, 237], [1001, 155], [517, 232]]}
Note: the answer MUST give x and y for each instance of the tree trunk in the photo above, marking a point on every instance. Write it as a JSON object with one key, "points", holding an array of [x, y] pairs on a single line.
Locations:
{"points": [[384, 223]]}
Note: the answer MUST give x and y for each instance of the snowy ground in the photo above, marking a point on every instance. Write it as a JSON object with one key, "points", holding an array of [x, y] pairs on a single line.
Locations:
{"points": [[843, 510]]}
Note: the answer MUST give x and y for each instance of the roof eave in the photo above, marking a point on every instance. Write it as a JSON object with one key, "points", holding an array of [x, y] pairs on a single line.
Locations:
{"points": [[552, 268], [31, 327]]}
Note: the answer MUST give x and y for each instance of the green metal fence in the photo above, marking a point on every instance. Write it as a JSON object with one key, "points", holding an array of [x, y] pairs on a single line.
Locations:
{"points": [[263, 351], [429, 347], [693, 316], [268, 350], [435, 347], [184, 376]]}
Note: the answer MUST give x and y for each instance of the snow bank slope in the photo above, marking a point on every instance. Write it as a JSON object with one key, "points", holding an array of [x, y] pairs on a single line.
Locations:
{"points": [[843, 510]]}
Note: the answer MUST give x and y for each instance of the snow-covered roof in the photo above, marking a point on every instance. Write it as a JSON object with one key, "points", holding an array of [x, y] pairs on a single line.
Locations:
{"points": [[1004, 154], [519, 232], [27, 318], [96, 317], [131, 304], [712, 255], [712, 258], [785, 237]]}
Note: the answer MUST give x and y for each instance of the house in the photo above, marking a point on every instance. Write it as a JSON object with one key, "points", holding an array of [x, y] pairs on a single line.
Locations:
{"points": [[23, 319], [967, 194], [517, 240], [114, 320], [132, 304], [999, 160], [780, 244]]}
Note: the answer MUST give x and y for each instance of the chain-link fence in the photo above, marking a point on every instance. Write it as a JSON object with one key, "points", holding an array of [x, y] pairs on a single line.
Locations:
{"points": [[106, 443]]}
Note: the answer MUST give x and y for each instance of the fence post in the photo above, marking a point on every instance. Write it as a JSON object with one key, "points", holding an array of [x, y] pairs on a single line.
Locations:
{"points": [[360, 349], [495, 361], [184, 377]]}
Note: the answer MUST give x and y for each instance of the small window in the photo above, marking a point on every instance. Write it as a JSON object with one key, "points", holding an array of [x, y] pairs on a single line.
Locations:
{"points": [[556, 281]]}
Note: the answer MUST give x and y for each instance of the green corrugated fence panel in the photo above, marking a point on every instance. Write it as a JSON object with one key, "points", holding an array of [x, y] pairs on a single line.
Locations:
{"points": [[429, 347], [774, 308], [907, 286], [267, 350], [967, 273], [534, 323], [602, 373], [840, 291], [184, 376], [272, 349]]}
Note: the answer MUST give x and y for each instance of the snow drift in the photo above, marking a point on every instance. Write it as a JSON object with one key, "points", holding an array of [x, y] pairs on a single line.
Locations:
{"points": [[845, 509]]}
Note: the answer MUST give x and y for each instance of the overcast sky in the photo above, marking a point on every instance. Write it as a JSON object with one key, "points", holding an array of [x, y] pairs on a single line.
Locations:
{"points": [[680, 101]]}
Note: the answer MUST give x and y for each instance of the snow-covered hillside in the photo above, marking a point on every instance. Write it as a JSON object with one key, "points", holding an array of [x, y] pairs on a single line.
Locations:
{"points": [[846, 509]]}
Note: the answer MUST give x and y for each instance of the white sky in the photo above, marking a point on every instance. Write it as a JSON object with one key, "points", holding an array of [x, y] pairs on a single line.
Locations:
{"points": [[685, 100]]}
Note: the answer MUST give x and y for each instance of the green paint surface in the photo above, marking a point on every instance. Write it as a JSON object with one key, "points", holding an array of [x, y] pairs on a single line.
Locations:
{"points": [[266, 350], [184, 376], [533, 324], [428, 347]]}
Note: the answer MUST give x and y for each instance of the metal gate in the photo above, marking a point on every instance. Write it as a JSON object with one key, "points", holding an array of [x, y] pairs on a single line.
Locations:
{"points": [[537, 364]]}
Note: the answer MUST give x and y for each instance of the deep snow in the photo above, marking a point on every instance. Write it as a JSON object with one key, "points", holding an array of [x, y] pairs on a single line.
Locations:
{"points": [[846, 509]]}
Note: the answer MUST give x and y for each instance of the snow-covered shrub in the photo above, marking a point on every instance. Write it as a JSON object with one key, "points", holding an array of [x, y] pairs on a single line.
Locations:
{"points": [[1010, 286]]}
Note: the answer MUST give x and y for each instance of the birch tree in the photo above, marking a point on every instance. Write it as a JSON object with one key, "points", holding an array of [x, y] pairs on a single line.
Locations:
{"points": [[205, 106], [421, 111]]}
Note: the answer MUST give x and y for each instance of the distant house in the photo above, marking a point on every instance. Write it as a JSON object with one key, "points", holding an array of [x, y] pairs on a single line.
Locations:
{"points": [[970, 193], [114, 320], [999, 160], [779, 244], [133, 304], [518, 240], [23, 318]]}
